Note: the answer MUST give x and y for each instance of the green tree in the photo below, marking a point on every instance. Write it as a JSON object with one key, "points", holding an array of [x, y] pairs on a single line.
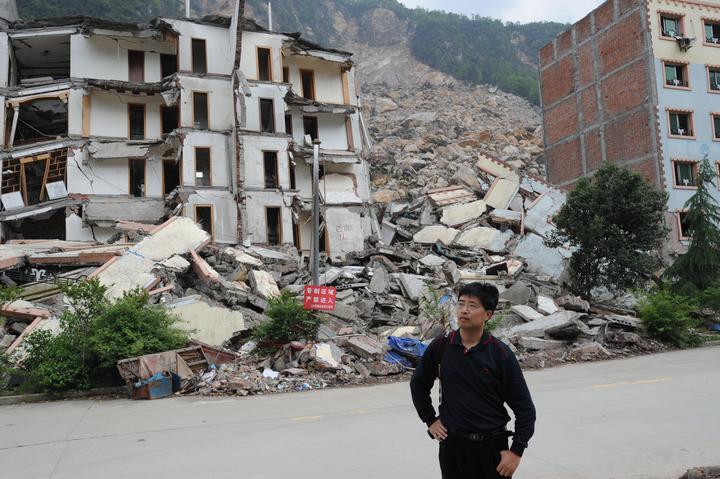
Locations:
{"points": [[669, 317], [615, 223], [699, 268], [288, 320]]}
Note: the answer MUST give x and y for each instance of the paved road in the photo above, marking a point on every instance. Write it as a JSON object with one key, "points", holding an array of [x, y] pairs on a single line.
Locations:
{"points": [[649, 417]]}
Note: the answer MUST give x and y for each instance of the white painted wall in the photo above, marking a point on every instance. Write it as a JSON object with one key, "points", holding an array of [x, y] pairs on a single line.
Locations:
{"points": [[4, 65], [257, 201], [221, 117], [220, 52], [264, 90], [328, 80], [346, 231], [253, 147], [248, 60], [86, 176], [220, 157], [224, 213], [106, 58], [75, 230], [109, 114]]}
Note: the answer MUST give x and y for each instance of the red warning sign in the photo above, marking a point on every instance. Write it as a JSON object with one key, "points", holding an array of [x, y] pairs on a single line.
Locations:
{"points": [[319, 298]]}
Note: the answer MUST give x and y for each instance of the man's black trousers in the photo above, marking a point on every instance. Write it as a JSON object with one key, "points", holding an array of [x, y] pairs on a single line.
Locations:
{"points": [[464, 459]]}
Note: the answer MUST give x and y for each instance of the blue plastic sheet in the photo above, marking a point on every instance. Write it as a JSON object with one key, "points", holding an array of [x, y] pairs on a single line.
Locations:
{"points": [[411, 348], [393, 357]]}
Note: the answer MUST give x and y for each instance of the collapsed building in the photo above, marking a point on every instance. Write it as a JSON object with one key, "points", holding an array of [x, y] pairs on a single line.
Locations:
{"points": [[107, 122]]}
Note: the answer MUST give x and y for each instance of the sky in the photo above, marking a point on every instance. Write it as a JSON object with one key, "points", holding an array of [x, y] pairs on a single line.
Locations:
{"points": [[523, 11]]}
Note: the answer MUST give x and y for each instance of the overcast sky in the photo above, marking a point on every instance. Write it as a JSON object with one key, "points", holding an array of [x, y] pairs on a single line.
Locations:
{"points": [[522, 11]]}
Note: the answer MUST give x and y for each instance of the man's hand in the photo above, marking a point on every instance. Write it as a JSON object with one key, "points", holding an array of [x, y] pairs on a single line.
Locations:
{"points": [[509, 462], [438, 431]]}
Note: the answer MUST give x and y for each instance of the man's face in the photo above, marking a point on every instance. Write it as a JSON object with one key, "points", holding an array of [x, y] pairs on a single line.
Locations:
{"points": [[471, 313]]}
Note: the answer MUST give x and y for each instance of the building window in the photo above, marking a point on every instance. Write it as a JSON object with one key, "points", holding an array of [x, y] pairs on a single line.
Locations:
{"points": [[171, 175], [169, 118], [204, 217], [296, 234], [270, 161], [310, 125], [288, 124], [202, 167], [286, 74], [267, 115], [264, 64], [681, 124], [676, 75], [136, 114], [716, 126], [291, 171], [199, 56], [168, 65], [200, 111], [136, 66], [308, 84], [137, 178], [714, 79], [684, 228], [685, 174], [671, 26], [274, 226], [712, 32]]}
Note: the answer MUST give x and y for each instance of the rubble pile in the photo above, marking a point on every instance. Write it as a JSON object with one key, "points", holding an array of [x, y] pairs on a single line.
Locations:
{"points": [[489, 227], [427, 135]]}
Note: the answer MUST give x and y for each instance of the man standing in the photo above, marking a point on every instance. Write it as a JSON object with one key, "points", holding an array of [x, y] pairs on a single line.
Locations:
{"points": [[478, 375]]}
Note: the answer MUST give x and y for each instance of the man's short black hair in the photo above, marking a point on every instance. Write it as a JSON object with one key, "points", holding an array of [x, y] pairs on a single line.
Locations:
{"points": [[487, 294]]}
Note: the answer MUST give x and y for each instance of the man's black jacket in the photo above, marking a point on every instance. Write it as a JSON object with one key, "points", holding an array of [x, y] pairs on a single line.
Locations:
{"points": [[475, 385]]}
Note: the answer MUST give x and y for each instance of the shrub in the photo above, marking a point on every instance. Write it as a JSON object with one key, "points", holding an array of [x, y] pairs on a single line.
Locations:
{"points": [[669, 317], [95, 334], [288, 320]]}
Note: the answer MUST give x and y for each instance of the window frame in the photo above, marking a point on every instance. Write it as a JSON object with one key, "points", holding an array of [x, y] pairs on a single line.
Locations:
{"points": [[691, 123], [685, 73], [129, 134], [709, 67], [142, 65], [212, 217], [270, 71], [207, 107], [673, 15], [678, 217], [695, 169], [180, 174], [710, 21], [281, 233], [314, 84], [130, 189], [276, 186], [317, 122], [195, 166], [192, 55], [715, 131], [272, 115]]}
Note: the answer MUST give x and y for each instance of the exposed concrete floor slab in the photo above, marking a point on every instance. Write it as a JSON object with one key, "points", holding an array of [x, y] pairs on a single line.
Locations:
{"points": [[647, 417]]}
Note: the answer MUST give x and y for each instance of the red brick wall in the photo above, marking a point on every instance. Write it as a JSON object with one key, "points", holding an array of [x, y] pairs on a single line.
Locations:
{"points": [[610, 54]]}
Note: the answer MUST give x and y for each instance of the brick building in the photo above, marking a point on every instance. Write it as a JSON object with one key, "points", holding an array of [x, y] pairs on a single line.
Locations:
{"points": [[636, 83]]}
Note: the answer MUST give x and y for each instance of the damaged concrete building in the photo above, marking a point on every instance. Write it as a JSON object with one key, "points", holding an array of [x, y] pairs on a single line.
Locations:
{"points": [[108, 121]]}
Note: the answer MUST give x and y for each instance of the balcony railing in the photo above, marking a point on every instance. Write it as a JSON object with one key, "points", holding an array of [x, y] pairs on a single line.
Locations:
{"points": [[714, 40], [715, 86], [681, 132], [677, 82]]}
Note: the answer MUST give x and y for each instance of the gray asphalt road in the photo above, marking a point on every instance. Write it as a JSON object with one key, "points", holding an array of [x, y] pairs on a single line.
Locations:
{"points": [[649, 417]]}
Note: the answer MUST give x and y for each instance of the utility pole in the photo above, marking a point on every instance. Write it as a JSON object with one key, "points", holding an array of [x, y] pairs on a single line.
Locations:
{"points": [[315, 256], [270, 23]]}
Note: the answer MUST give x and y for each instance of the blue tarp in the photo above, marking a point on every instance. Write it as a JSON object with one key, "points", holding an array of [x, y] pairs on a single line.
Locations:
{"points": [[404, 351]]}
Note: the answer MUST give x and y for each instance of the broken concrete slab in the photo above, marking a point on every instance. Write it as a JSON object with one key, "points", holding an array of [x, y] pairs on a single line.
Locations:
{"points": [[506, 217], [540, 259], [501, 193], [366, 347], [589, 352], [541, 211], [327, 356], [177, 264], [432, 261], [462, 213], [205, 323], [242, 257], [573, 303], [413, 286], [379, 281], [561, 325], [488, 239], [263, 284], [547, 305], [177, 236], [517, 294], [527, 313], [539, 344], [7, 340], [433, 234]]}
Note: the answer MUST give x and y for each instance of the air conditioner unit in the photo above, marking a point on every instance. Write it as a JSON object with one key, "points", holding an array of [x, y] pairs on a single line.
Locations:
{"points": [[684, 43]]}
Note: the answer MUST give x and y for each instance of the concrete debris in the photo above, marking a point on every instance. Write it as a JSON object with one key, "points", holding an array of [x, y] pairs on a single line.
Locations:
{"points": [[517, 294], [574, 303], [208, 324], [488, 239], [540, 259], [539, 344], [527, 313], [327, 355], [263, 284], [366, 347], [546, 305], [433, 234], [460, 214], [589, 352], [561, 325]]}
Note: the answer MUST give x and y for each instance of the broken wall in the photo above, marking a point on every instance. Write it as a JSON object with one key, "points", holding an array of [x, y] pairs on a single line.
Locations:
{"points": [[220, 52], [252, 106], [5, 65], [106, 58], [224, 210], [109, 115], [346, 230], [220, 157], [220, 105], [253, 148], [257, 202], [331, 130], [328, 80], [249, 60]]}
